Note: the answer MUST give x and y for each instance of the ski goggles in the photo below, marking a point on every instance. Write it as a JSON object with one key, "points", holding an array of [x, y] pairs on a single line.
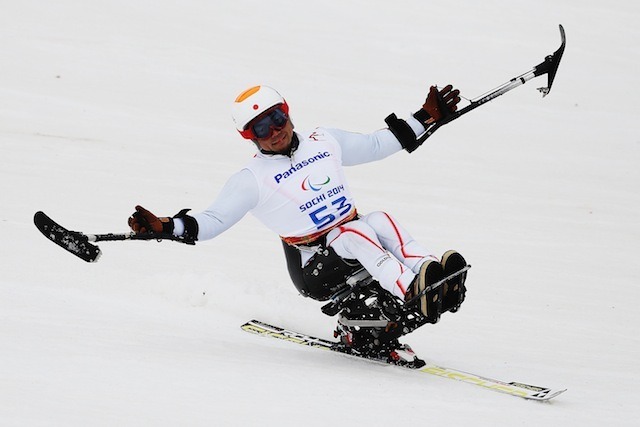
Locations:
{"points": [[268, 122]]}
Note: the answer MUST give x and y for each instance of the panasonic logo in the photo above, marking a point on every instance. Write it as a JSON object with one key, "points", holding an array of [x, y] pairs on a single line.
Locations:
{"points": [[301, 165]]}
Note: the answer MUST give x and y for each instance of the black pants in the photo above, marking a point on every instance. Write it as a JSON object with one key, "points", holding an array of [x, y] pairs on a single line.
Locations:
{"points": [[324, 274]]}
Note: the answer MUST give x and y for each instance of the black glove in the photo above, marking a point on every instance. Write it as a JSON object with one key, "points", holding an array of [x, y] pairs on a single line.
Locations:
{"points": [[438, 105], [142, 221]]}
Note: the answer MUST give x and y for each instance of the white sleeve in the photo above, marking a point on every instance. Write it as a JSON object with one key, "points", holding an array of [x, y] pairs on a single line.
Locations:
{"points": [[360, 148], [238, 196]]}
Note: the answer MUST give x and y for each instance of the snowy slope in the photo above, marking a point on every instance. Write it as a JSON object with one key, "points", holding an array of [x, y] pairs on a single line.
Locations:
{"points": [[104, 105]]}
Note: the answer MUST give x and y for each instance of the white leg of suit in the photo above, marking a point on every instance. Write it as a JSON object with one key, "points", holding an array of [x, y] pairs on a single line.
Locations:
{"points": [[370, 240], [398, 241]]}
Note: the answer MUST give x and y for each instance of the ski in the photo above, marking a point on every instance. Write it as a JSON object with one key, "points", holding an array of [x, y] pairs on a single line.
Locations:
{"points": [[79, 243], [525, 391]]}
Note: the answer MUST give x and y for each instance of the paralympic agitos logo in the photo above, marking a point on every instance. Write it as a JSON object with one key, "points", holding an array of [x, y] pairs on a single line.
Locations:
{"points": [[300, 165], [314, 183]]}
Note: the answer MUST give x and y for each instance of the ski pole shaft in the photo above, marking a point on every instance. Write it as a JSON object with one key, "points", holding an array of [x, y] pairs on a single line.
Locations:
{"points": [[501, 90], [131, 236]]}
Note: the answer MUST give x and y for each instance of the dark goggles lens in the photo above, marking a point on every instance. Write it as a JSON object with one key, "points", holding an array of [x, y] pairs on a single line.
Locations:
{"points": [[275, 119]]}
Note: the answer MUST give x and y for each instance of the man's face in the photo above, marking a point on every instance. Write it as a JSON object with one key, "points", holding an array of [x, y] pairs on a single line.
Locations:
{"points": [[279, 141], [271, 130]]}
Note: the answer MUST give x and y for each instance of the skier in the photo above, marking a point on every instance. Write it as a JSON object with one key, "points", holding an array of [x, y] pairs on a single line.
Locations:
{"points": [[295, 185]]}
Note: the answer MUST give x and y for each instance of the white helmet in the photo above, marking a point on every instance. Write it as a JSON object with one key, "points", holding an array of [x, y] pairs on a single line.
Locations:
{"points": [[253, 102]]}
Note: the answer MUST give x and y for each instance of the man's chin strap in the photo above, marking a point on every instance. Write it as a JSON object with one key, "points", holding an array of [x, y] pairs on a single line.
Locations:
{"points": [[295, 142]]}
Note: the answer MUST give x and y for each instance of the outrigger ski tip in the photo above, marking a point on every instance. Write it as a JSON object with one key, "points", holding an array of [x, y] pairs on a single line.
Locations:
{"points": [[551, 63], [72, 241]]}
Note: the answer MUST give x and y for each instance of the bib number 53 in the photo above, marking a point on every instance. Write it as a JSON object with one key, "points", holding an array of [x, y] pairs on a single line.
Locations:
{"points": [[321, 218]]}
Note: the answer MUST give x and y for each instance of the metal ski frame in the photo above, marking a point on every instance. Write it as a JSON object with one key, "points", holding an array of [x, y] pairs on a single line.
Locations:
{"points": [[549, 66], [437, 284]]}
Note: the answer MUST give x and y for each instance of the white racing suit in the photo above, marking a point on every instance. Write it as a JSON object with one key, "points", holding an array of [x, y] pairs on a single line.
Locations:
{"points": [[306, 200]]}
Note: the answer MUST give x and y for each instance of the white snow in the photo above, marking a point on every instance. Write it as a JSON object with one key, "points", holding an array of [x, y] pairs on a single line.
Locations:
{"points": [[105, 105]]}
